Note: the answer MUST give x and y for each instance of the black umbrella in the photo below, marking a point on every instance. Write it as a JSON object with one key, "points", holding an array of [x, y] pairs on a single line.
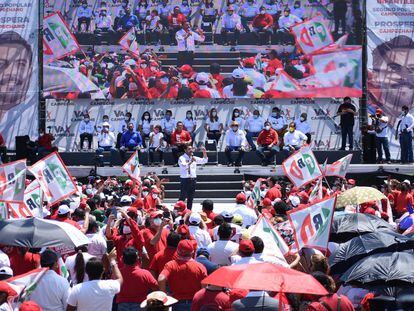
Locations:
{"points": [[347, 226], [382, 269], [362, 246]]}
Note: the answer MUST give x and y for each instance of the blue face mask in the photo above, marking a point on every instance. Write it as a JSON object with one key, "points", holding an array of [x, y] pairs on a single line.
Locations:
{"points": [[255, 116], [167, 117]]}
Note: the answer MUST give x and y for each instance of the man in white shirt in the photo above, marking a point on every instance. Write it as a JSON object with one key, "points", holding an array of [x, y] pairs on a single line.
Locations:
{"points": [[200, 235], [253, 126], [236, 230], [285, 22], [96, 294], [235, 141], [259, 80], [293, 139], [380, 123], [186, 43], [86, 130], [103, 22], [202, 80], [188, 176], [405, 130], [168, 125], [84, 15], [230, 22], [245, 254], [106, 142], [51, 293], [221, 250], [302, 125], [249, 215]]}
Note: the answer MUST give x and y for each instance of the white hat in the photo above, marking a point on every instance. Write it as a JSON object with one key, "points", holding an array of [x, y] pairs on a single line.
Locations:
{"points": [[195, 219], [407, 182], [238, 73], [294, 200], [106, 124], [126, 199], [227, 214], [63, 209], [130, 62], [160, 296], [5, 270], [73, 205], [202, 77]]}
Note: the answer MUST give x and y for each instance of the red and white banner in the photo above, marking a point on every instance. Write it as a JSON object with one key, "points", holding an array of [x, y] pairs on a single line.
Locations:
{"points": [[25, 284], [302, 167], [18, 210], [54, 178], [129, 42], [339, 168], [312, 224], [12, 181], [131, 167]]}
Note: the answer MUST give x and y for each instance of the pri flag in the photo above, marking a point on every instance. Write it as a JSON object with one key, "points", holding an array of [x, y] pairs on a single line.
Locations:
{"points": [[312, 35], [18, 210], [283, 83], [302, 167], [54, 178], [131, 167], [312, 224], [340, 167], [58, 41], [12, 181], [129, 42], [33, 198], [25, 284], [317, 191]]}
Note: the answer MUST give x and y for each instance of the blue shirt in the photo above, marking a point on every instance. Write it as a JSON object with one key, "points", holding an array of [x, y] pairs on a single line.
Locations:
{"points": [[127, 22], [131, 139], [210, 267]]}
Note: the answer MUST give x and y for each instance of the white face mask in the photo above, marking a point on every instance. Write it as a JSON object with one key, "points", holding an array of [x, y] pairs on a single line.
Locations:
{"points": [[214, 113], [146, 117], [236, 114], [154, 195], [126, 119], [126, 230], [86, 119], [234, 128], [164, 80], [157, 221], [105, 120], [302, 119], [262, 12], [145, 193], [267, 127], [189, 116]]}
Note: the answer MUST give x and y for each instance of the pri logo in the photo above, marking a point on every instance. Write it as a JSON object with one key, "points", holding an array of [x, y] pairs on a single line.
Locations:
{"points": [[305, 162], [317, 29], [315, 225]]}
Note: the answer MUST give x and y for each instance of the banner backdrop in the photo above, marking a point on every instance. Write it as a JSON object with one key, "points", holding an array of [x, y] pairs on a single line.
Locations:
{"points": [[19, 85], [63, 117], [390, 28]]}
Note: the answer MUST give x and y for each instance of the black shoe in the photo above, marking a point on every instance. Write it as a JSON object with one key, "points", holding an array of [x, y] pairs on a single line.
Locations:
{"points": [[264, 163], [232, 49], [342, 149], [238, 164]]}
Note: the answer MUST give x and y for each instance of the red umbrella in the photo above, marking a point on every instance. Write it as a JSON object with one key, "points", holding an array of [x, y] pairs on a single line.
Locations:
{"points": [[265, 276]]}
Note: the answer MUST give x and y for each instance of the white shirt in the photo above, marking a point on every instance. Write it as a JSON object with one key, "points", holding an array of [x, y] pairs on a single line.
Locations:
{"points": [[51, 292], [164, 10], [189, 170], [84, 12], [277, 123], [106, 139], [168, 125], [185, 9], [94, 295], [271, 9], [189, 124], [213, 125], [258, 78], [383, 126], [153, 21], [270, 259], [288, 21], [103, 21], [235, 139], [142, 11], [299, 12], [156, 139], [231, 21], [97, 244], [4, 259], [236, 233], [303, 127], [294, 139], [211, 10], [254, 125], [407, 122], [249, 216], [249, 10], [123, 125], [187, 44], [201, 236], [86, 127], [145, 125], [70, 265], [237, 260], [220, 252]]}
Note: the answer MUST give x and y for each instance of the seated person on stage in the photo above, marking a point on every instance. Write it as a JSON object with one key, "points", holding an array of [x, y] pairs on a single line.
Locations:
{"points": [[155, 144], [128, 21], [263, 22], [285, 22], [235, 141], [267, 141], [247, 12], [84, 14], [254, 125], [278, 123], [153, 27], [106, 142], [131, 140], [230, 22], [167, 125], [103, 22], [302, 125], [164, 10], [180, 138], [44, 144], [213, 126], [175, 21], [86, 130], [3, 150], [185, 9], [293, 139], [208, 12]]}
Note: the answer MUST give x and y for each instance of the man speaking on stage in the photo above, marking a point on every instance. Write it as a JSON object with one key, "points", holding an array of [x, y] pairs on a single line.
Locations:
{"points": [[188, 177]]}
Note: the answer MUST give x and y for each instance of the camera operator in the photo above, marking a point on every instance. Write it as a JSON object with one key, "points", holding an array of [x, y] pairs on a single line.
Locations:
{"points": [[380, 123]]}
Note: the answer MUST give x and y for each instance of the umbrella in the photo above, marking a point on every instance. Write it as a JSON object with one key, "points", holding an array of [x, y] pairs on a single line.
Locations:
{"points": [[348, 226], [359, 195], [37, 233], [359, 247], [382, 269], [265, 276]]}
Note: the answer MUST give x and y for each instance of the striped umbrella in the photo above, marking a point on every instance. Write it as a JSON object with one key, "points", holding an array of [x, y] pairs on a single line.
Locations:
{"points": [[38, 233]]}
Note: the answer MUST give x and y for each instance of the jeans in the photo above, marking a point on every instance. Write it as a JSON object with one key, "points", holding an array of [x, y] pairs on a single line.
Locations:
{"points": [[224, 32], [153, 150], [347, 130], [382, 142], [268, 34], [129, 306], [260, 152], [187, 190], [245, 21], [228, 151], [249, 138], [406, 142], [100, 150], [182, 305]]}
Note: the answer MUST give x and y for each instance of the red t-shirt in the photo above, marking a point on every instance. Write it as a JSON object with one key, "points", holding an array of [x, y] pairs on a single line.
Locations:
{"points": [[121, 241], [205, 296], [137, 284], [176, 20], [46, 141], [332, 302], [184, 277], [402, 199], [148, 235], [21, 264], [69, 221], [2, 142], [161, 258], [262, 20], [180, 137], [273, 193], [267, 137]]}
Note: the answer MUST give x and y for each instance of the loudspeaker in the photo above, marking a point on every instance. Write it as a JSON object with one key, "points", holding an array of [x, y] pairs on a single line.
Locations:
{"points": [[21, 147]]}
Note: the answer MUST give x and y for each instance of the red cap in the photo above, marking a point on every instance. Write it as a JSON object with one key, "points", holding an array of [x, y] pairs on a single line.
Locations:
{"points": [[378, 111], [180, 206], [303, 196], [266, 202], [132, 209], [30, 306], [249, 61], [27, 181], [351, 182], [156, 214], [83, 203], [145, 189], [129, 183], [160, 74], [135, 191], [369, 210], [183, 230], [246, 246], [186, 69], [6, 288], [185, 248], [240, 198], [138, 203]]}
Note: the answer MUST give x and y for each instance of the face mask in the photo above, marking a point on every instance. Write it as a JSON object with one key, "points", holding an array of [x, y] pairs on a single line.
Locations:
{"points": [[146, 117], [255, 116], [214, 113], [126, 230], [189, 116], [291, 129], [153, 68], [274, 114], [267, 127], [167, 117], [126, 118], [164, 80], [85, 6], [234, 128], [302, 119], [106, 130], [86, 119], [262, 12], [248, 193], [230, 13], [144, 193], [286, 14], [154, 195], [157, 222], [296, 6], [130, 129], [105, 120], [143, 66], [405, 113], [236, 114]]}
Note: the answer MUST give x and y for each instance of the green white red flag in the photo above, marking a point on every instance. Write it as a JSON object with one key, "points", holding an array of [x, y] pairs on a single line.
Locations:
{"points": [[302, 167], [312, 224], [33, 198], [54, 178], [18, 210], [283, 83], [339, 168], [317, 191], [12, 181], [129, 42], [25, 284], [131, 167]]}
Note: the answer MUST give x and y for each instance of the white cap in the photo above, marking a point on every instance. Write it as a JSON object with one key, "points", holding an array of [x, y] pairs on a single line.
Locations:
{"points": [[63, 209], [126, 199], [294, 200], [195, 219], [73, 205], [202, 77], [130, 62], [5, 270], [227, 214], [106, 124], [238, 73], [407, 182]]}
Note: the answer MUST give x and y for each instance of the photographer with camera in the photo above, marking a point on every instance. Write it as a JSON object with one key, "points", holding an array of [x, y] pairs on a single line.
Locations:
{"points": [[380, 124]]}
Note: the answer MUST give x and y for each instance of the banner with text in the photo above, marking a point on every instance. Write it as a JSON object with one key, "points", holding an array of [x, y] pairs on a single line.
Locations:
{"points": [[12, 181], [19, 83], [63, 117], [390, 29]]}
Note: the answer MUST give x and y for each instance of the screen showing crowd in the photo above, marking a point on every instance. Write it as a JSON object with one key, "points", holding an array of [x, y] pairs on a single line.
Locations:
{"points": [[181, 49]]}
